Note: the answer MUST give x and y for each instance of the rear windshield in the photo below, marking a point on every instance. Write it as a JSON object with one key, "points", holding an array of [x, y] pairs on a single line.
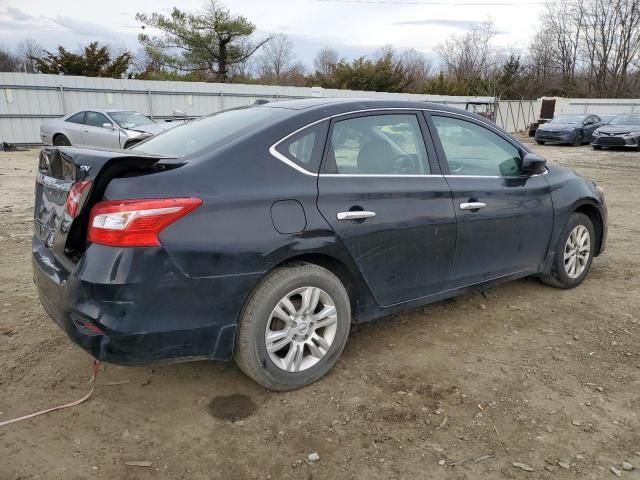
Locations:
{"points": [[568, 119], [626, 120], [207, 132]]}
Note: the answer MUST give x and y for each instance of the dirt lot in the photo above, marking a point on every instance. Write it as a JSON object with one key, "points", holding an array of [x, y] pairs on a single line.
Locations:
{"points": [[461, 389]]}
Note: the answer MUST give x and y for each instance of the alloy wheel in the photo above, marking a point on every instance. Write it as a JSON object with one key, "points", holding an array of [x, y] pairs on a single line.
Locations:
{"points": [[301, 329], [577, 251]]}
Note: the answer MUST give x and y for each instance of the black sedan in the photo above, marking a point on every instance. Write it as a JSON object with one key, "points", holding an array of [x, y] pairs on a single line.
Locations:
{"points": [[568, 128], [263, 233], [622, 131]]}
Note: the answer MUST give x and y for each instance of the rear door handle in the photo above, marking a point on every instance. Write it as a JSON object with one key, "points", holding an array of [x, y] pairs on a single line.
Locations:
{"points": [[355, 215], [472, 205]]}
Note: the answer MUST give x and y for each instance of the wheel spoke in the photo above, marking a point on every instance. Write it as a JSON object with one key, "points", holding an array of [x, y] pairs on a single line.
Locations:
{"points": [[277, 340], [293, 359], [310, 298], [321, 342], [325, 322], [315, 351], [280, 313]]}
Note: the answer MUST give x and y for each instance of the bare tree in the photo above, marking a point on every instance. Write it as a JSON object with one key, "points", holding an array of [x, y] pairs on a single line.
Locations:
{"points": [[277, 58], [28, 51], [9, 62], [325, 59], [418, 68], [470, 55]]}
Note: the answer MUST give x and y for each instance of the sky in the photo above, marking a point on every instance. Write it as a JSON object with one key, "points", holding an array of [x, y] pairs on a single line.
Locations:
{"points": [[352, 27]]}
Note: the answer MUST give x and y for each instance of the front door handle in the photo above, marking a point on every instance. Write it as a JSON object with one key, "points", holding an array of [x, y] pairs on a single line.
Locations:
{"points": [[472, 205], [355, 215]]}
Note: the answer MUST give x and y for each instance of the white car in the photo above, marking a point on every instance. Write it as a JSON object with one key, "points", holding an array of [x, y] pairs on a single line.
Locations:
{"points": [[101, 127]]}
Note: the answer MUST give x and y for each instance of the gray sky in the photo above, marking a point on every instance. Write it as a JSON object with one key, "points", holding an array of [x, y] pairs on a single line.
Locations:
{"points": [[353, 27]]}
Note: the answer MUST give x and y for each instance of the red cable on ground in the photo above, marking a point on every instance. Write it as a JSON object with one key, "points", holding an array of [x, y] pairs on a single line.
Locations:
{"points": [[96, 364]]}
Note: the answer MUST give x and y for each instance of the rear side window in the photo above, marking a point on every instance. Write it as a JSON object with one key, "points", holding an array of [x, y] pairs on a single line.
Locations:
{"points": [[377, 145], [305, 147], [77, 118]]}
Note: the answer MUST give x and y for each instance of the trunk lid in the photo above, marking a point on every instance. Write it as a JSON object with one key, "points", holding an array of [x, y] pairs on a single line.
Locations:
{"points": [[59, 169]]}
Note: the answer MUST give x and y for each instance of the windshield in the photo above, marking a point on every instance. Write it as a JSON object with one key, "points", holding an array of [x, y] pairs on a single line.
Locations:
{"points": [[626, 120], [130, 120], [208, 132], [568, 119]]}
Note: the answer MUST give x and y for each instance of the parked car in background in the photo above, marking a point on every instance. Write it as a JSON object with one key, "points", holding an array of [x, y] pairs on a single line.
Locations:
{"points": [[100, 127], [622, 131], [568, 128], [262, 233]]}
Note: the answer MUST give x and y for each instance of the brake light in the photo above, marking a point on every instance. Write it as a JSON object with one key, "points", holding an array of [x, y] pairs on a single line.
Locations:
{"points": [[136, 223], [72, 204]]}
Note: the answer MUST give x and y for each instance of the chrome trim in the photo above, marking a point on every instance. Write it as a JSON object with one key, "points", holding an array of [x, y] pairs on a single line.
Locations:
{"points": [[355, 215], [55, 183], [285, 160], [449, 175], [472, 205], [375, 175]]}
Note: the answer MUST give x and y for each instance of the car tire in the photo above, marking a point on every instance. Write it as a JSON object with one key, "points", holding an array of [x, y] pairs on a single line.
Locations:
{"points": [[539, 142], [577, 140], [597, 147], [61, 141], [291, 362], [571, 244]]}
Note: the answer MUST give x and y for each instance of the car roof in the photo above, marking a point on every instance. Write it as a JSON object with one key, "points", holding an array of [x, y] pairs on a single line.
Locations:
{"points": [[350, 104], [103, 110]]}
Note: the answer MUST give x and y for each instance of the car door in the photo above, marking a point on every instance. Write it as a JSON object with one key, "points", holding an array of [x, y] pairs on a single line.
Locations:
{"points": [[382, 192], [504, 217], [73, 127], [96, 135]]}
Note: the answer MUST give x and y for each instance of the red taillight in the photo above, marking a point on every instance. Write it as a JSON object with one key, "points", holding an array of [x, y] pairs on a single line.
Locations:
{"points": [[73, 199], [136, 223]]}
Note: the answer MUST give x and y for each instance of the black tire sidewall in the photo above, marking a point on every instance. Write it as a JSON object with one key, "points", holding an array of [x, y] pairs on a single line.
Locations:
{"points": [[61, 141], [559, 272], [255, 324]]}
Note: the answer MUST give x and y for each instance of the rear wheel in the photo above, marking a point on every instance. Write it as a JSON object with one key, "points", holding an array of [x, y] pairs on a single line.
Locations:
{"points": [[539, 142], [577, 140], [293, 328], [597, 147], [573, 253], [61, 141]]}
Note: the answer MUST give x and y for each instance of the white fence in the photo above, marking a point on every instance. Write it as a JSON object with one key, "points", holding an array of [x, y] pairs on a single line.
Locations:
{"points": [[27, 99]]}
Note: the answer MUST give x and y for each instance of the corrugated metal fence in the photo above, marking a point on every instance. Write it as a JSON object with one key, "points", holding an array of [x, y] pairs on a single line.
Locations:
{"points": [[27, 99]]}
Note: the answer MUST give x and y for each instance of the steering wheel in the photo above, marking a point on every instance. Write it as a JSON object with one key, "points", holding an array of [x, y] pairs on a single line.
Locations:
{"points": [[403, 163]]}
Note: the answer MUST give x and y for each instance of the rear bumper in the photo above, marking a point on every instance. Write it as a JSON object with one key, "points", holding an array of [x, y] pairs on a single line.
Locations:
{"points": [[132, 306]]}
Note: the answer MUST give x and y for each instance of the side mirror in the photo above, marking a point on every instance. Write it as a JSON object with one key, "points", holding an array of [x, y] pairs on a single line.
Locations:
{"points": [[532, 163], [108, 125]]}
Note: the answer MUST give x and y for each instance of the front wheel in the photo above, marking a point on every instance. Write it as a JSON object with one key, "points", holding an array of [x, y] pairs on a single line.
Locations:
{"points": [[577, 140], [539, 142], [597, 147], [61, 141], [573, 253], [294, 327]]}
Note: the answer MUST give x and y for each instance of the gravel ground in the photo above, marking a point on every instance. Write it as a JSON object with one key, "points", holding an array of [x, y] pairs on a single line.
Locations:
{"points": [[485, 386]]}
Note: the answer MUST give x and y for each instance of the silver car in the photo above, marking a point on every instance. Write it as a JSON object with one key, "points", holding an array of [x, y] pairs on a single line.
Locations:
{"points": [[100, 127]]}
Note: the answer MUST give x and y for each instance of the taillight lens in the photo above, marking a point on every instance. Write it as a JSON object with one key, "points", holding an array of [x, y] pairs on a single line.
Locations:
{"points": [[136, 223], [72, 204]]}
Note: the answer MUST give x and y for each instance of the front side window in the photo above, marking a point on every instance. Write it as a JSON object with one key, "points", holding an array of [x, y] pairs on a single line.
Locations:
{"points": [[77, 118], [471, 149], [377, 145], [96, 119]]}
